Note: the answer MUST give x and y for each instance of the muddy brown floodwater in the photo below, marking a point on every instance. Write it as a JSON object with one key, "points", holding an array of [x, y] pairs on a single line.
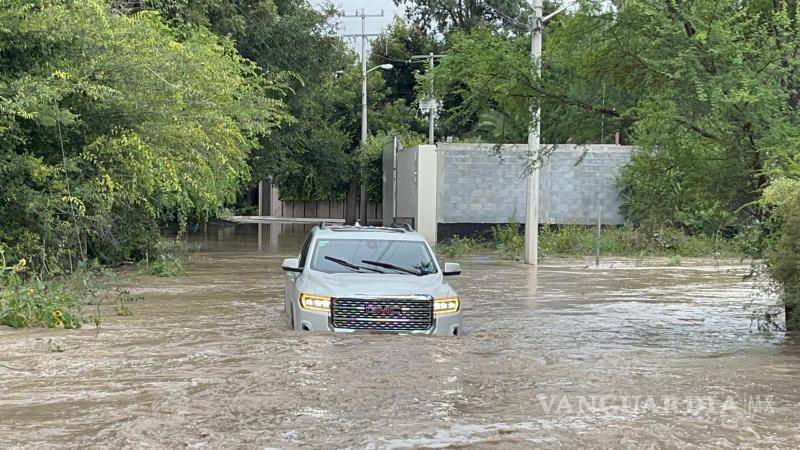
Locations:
{"points": [[625, 355]]}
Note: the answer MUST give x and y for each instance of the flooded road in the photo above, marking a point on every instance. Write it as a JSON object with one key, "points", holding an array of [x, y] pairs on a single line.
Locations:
{"points": [[624, 355]]}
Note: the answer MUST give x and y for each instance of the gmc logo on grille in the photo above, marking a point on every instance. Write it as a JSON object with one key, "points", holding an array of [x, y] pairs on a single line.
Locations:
{"points": [[382, 310]]}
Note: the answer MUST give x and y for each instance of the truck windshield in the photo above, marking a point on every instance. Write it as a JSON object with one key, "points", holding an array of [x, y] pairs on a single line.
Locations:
{"points": [[372, 256]]}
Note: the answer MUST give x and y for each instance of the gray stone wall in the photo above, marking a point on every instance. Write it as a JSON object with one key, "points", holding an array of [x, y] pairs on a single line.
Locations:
{"points": [[475, 185]]}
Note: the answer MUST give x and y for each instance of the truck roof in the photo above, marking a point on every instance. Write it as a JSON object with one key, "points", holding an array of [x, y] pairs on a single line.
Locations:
{"points": [[359, 232]]}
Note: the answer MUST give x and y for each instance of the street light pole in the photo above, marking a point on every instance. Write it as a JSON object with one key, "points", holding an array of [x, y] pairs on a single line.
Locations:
{"points": [[364, 130], [432, 116], [532, 180], [363, 196], [363, 191]]}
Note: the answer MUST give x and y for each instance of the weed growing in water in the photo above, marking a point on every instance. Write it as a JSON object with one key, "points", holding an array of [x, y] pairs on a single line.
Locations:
{"points": [[28, 300], [458, 246], [168, 262], [122, 301], [508, 240], [577, 240]]}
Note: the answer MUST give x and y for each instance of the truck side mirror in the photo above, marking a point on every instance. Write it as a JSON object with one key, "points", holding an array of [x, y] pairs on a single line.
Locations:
{"points": [[292, 265], [451, 269]]}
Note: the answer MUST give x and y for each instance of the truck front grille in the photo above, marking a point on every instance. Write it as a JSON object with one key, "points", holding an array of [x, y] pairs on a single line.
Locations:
{"points": [[412, 313]]}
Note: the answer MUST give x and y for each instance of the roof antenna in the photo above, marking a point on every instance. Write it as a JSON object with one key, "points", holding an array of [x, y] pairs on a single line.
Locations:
{"points": [[322, 225], [357, 224]]}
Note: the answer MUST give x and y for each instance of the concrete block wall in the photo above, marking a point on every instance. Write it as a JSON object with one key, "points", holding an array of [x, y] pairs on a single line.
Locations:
{"points": [[477, 184]]}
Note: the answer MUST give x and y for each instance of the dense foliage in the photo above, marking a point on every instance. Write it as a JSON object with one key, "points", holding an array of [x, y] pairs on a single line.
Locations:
{"points": [[308, 157], [445, 16], [119, 117], [112, 124], [313, 157], [782, 198], [708, 91]]}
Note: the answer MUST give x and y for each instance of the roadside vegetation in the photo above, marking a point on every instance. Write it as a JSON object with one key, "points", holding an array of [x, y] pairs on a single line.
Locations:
{"points": [[706, 90], [111, 126], [168, 259], [27, 301], [577, 241], [65, 301], [119, 118], [782, 256]]}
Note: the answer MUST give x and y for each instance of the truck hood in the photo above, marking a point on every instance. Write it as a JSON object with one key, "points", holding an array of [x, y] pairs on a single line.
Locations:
{"points": [[348, 284]]}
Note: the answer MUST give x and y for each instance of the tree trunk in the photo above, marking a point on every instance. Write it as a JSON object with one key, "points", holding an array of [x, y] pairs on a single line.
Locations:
{"points": [[351, 203], [792, 320]]}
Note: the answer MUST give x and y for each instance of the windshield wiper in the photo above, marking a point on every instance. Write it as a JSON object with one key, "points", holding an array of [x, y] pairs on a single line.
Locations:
{"points": [[342, 262], [392, 266]]}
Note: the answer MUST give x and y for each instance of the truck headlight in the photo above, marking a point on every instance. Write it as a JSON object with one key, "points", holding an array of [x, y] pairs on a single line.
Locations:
{"points": [[446, 305], [315, 302]]}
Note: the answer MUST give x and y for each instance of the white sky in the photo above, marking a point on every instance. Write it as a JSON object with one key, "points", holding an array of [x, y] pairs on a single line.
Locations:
{"points": [[350, 25]]}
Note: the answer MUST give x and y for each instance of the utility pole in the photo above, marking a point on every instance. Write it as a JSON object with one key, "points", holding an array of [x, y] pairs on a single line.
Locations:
{"points": [[432, 107], [364, 130], [532, 181], [538, 20]]}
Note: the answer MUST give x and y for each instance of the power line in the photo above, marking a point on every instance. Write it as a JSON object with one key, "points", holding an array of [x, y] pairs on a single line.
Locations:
{"points": [[509, 18], [392, 58]]}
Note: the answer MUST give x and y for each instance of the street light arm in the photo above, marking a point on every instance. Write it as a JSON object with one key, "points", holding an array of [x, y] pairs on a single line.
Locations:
{"points": [[561, 9], [382, 66]]}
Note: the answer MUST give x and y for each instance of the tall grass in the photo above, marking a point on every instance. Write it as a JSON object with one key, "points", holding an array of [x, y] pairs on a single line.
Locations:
{"points": [[459, 245], [577, 240]]}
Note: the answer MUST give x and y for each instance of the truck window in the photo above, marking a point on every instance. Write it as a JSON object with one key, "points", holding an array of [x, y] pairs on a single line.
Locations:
{"points": [[407, 254]]}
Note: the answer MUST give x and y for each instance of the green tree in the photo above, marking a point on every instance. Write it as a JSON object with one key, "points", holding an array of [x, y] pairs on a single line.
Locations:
{"points": [[782, 198], [324, 160], [465, 15], [113, 124], [706, 89], [310, 158], [396, 45]]}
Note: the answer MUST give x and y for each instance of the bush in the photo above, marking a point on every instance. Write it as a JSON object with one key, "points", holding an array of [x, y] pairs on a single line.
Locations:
{"points": [[578, 240], [566, 240], [35, 303], [783, 247], [167, 260], [458, 246], [89, 166], [163, 266], [508, 240]]}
